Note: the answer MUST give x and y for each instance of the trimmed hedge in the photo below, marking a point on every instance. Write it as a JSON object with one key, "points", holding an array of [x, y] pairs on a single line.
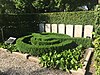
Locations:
{"points": [[81, 18], [85, 42], [40, 46], [18, 25], [40, 49]]}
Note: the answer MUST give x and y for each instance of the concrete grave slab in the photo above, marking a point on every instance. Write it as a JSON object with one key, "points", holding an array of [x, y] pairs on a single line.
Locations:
{"points": [[61, 28], [78, 31], [54, 28], [47, 27], [88, 29], [41, 27], [69, 30]]}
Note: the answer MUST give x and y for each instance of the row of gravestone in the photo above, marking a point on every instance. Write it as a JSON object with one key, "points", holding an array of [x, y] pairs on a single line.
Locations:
{"points": [[71, 30]]}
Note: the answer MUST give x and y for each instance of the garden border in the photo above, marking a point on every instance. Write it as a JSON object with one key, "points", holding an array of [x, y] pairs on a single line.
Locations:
{"points": [[78, 72]]}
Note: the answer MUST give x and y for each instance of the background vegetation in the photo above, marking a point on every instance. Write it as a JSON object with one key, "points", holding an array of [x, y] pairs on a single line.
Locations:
{"points": [[18, 25], [32, 6]]}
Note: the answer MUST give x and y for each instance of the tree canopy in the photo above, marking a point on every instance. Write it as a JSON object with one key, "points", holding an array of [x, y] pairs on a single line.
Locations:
{"points": [[32, 6]]}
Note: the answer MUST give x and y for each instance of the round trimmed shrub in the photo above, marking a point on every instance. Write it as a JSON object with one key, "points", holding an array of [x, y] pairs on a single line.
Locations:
{"points": [[39, 44]]}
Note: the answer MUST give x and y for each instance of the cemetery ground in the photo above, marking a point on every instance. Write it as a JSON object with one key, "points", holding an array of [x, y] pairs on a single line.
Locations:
{"points": [[12, 64]]}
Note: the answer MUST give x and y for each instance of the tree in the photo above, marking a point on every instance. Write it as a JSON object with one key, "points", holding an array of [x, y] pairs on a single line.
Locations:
{"points": [[7, 6], [24, 6]]}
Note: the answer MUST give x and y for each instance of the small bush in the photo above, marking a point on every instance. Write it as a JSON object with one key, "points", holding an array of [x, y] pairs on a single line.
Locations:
{"points": [[66, 60]]}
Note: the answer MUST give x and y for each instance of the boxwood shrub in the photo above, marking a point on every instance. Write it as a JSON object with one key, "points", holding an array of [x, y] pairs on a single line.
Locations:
{"points": [[40, 49], [39, 44]]}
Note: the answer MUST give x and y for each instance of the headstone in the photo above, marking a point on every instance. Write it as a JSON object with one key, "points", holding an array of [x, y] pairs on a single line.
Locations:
{"points": [[69, 30], [54, 28], [88, 29], [78, 31], [61, 28], [41, 27], [47, 27], [10, 40]]}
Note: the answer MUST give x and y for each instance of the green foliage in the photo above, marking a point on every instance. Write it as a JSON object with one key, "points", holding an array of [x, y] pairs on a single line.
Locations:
{"points": [[66, 60], [24, 6], [31, 6], [18, 25], [85, 42], [39, 44], [97, 21], [50, 42], [24, 24], [81, 18], [55, 50], [7, 6], [10, 47], [97, 54]]}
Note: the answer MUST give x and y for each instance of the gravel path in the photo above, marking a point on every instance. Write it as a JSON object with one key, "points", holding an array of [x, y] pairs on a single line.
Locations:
{"points": [[11, 64]]}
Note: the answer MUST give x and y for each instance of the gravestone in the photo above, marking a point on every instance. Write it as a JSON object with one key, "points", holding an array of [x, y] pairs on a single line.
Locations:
{"points": [[41, 27], [54, 28], [61, 29], [88, 29], [78, 31], [47, 27], [69, 30], [10, 40]]}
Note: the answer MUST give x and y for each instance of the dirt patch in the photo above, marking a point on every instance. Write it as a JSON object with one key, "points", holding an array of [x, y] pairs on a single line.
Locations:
{"points": [[11, 64]]}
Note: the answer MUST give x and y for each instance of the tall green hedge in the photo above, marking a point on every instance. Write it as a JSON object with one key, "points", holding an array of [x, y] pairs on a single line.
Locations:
{"points": [[17, 25], [22, 24], [83, 18]]}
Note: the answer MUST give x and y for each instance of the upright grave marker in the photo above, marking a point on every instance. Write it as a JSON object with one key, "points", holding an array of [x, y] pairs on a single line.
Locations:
{"points": [[61, 28], [69, 30], [78, 31]]}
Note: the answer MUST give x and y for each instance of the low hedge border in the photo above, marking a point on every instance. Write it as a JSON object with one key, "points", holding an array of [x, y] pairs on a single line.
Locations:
{"points": [[40, 49], [66, 43]]}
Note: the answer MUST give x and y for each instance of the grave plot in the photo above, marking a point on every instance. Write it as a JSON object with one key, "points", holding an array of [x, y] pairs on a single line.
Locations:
{"points": [[58, 51]]}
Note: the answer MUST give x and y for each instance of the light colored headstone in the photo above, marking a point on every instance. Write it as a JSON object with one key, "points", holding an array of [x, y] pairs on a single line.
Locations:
{"points": [[69, 30], [78, 31], [41, 27], [47, 27], [54, 28], [10, 40], [61, 28], [88, 31]]}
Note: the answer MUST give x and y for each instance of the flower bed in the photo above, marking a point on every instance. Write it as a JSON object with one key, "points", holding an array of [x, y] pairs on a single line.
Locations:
{"points": [[55, 50]]}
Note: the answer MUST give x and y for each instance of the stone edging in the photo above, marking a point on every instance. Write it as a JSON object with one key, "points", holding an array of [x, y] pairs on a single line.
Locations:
{"points": [[78, 72], [86, 60]]}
